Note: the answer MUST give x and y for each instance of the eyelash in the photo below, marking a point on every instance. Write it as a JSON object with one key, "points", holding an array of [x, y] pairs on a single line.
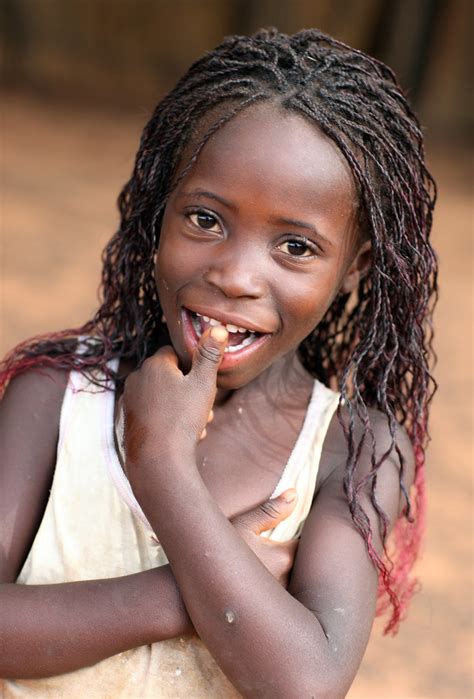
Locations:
{"points": [[202, 212], [299, 240]]}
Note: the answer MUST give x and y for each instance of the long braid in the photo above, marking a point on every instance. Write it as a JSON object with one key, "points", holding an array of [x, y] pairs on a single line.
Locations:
{"points": [[375, 347]]}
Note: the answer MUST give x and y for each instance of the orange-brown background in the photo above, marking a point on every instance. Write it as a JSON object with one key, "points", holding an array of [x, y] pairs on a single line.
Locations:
{"points": [[79, 80]]}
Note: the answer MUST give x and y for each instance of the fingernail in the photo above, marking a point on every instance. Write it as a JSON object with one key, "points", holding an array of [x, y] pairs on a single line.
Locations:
{"points": [[219, 333], [290, 495]]}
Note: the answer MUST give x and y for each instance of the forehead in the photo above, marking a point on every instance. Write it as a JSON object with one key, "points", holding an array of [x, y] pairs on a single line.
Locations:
{"points": [[269, 152]]}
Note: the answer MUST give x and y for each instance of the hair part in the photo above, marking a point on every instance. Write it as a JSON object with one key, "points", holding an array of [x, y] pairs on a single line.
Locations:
{"points": [[373, 346]]}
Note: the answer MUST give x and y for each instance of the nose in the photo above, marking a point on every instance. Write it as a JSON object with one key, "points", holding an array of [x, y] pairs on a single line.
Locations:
{"points": [[236, 272]]}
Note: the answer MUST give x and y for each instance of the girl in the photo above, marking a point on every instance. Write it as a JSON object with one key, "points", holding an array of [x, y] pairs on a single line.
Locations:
{"points": [[262, 339]]}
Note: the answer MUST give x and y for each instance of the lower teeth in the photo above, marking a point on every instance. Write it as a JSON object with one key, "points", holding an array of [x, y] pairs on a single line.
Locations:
{"points": [[235, 348], [196, 325], [230, 348]]}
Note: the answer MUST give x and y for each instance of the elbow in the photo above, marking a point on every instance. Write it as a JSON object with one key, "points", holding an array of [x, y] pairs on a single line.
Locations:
{"points": [[316, 688], [299, 684], [324, 691], [324, 678]]}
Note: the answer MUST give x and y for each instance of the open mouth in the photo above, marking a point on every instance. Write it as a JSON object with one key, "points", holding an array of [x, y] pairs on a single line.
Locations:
{"points": [[239, 337]]}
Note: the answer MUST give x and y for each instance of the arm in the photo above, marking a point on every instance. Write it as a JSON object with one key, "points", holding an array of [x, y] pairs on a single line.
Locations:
{"points": [[51, 624], [269, 642], [63, 627]]}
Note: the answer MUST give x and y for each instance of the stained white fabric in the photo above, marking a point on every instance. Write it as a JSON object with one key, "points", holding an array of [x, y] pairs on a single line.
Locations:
{"points": [[93, 527]]}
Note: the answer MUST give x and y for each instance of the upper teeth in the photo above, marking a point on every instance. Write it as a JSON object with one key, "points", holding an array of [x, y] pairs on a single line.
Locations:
{"points": [[229, 326]]}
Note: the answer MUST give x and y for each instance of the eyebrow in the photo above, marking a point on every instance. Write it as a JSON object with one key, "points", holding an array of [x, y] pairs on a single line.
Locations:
{"points": [[277, 219], [208, 195], [303, 224]]}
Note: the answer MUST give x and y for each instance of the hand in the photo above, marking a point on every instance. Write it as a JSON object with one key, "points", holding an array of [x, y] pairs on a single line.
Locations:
{"points": [[209, 419], [276, 556], [166, 411]]}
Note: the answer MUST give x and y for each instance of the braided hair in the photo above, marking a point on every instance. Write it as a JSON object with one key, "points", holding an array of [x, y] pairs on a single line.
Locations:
{"points": [[375, 348]]}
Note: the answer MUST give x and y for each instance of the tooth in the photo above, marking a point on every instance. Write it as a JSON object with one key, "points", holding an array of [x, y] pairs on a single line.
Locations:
{"points": [[198, 314], [206, 319], [242, 330], [245, 342], [196, 326], [232, 328], [213, 321]]}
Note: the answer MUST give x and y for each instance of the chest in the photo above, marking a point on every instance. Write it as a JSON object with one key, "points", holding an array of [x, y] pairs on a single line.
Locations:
{"points": [[245, 452]]}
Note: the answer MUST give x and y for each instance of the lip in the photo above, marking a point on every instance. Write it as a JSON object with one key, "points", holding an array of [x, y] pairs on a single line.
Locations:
{"points": [[230, 359], [225, 318]]}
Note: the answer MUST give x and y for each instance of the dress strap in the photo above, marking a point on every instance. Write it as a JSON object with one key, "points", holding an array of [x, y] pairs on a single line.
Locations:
{"points": [[301, 471]]}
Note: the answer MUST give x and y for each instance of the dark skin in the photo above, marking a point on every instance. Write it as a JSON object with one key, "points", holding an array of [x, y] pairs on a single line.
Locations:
{"points": [[236, 254], [36, 619]]}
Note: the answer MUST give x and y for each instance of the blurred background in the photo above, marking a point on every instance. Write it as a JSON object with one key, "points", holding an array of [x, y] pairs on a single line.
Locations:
{"points": [[79, 79]]}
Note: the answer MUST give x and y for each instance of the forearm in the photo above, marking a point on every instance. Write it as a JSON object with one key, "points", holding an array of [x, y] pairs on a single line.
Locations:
{"points": [[263, 639], [52, 629]]}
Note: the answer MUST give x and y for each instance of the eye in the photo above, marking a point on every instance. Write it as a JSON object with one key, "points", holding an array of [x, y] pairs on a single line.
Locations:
{"points": [[205, 220], [298, 247]]}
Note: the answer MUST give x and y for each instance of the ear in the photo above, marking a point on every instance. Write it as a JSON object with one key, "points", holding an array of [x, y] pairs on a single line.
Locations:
{"points": [[358, 268]]}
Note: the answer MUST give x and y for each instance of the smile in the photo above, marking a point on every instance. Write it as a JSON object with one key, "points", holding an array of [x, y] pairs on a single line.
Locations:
{"points": [[241, 343], [239, 337]]}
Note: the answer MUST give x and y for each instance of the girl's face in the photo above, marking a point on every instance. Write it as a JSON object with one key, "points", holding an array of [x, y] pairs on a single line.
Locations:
{"points": [[260, 235]]}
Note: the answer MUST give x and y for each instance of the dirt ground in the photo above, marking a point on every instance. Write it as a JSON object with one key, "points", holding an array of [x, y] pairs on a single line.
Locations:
{"points": [[62, 170]]}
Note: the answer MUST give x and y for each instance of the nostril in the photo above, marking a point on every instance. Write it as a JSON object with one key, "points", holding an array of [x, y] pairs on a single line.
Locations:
{"points": [[233, 283]]}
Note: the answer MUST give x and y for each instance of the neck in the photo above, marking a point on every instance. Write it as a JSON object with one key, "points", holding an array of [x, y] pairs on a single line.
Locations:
{"points": [[285, 384]]}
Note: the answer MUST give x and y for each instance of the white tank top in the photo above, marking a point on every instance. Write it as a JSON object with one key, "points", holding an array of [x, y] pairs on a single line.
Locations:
{"points": [[93, 527]]}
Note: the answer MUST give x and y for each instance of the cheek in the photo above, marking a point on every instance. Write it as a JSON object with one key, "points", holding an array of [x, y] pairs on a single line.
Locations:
{"points": [[177, 261], [168, 267], [306, 305]]}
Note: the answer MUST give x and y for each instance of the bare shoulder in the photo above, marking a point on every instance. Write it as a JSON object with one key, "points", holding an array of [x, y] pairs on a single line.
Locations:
{"points": [[29, 428], [382, 441], [333, 575], [31, 399]]}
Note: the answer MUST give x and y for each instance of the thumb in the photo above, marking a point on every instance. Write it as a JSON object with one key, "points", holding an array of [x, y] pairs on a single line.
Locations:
{"points": [[268, 514], [209, 352]]}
